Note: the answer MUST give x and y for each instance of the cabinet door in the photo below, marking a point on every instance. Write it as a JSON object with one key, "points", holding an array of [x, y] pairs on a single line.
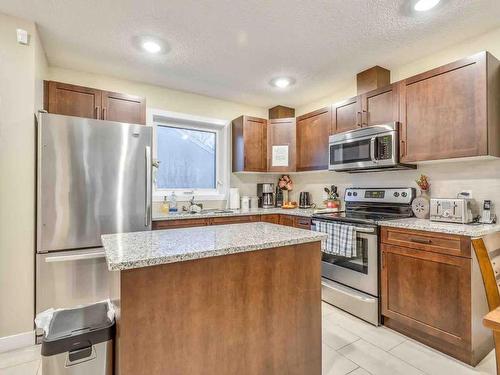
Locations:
{"points": [[428, 294], [123, 108], [380, 106], [72, 100], [346, 115], [443, 112], [302, 222], [180, 223], [287, 220], [273, 218], [234, 219], [281, 132], [255, 144], [313, 130]]}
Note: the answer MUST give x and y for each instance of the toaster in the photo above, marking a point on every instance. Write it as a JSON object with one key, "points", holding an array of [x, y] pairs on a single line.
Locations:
{"points": [[452, 210]]}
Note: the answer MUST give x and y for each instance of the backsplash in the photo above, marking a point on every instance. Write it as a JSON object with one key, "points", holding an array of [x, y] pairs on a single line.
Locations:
{"points": [[446, 178], [482, 177]]}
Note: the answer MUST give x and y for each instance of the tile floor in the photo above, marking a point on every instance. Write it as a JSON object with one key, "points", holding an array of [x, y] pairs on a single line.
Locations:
{"points": [[350, 346]]}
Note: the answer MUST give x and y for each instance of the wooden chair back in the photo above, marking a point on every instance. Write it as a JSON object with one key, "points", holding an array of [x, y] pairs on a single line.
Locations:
{"points": [[487, 251]]}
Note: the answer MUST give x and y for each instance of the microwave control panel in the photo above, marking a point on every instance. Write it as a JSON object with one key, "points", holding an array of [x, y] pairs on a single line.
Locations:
{"points": [[384, 147]]}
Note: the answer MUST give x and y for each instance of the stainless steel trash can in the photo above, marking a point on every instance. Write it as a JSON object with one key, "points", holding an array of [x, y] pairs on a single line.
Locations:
{"points": [[79, 342]]}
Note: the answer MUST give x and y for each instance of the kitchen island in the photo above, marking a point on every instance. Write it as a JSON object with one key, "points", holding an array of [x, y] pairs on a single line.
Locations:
{"points": [[228, 299]]}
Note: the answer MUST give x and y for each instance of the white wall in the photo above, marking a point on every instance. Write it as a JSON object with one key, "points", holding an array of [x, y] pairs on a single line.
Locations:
{"points": [[19, 69]]}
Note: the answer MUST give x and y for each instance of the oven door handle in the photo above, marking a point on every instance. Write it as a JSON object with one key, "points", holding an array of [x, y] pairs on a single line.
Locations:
{"points": [[357, 229], [372, 149]]}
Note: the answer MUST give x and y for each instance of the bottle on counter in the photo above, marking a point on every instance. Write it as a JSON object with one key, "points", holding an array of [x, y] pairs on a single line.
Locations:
{"points": [[245, 203], [173, 202], [254, 202], [165, 207]]}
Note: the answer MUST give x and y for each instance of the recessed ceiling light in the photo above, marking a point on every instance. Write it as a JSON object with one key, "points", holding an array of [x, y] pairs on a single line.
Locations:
{"points": [[151, 46], [423, 5], [282, 82]]}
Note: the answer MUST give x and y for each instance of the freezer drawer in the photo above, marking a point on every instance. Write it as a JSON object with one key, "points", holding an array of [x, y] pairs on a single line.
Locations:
{"points": [[71, 278]]}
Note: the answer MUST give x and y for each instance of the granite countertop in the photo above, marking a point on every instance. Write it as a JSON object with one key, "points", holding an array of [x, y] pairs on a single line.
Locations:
{"points": [[471, 230], [142, 249], [221, 213]]}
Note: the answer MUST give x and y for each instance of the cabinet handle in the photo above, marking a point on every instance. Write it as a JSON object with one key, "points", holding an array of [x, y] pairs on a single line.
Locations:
{"points": [[104, 113], [97, 112], [421, 240], [402, 148], [383, 259], [358, 116], [365, 113]]}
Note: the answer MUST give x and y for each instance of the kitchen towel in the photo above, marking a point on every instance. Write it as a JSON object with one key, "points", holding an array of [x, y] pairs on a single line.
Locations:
{"points": [[341, 239]]}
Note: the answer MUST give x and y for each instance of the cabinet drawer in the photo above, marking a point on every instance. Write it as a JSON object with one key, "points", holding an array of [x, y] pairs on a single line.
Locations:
{"points": [[235, 219], [182, 223], [429, 241], [302, 222]]}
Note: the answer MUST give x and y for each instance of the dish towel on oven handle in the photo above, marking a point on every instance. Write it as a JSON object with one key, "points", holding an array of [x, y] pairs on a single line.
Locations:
{"points": [[341, 239]]}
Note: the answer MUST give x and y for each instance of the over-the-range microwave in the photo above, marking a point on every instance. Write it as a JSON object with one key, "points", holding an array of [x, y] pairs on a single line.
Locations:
{"points": [[371, 148]]}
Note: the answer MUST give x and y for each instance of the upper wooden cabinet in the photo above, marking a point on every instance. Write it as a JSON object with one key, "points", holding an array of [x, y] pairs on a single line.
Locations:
{"points": [[452, 111], [73, 100], [123, 108], [281, 132], [379, 106], [346, 115], [249, 144], [313, 130]]}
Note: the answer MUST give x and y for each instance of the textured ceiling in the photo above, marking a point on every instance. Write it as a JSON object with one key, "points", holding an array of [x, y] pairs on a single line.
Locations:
{"points": [[231, 49]]}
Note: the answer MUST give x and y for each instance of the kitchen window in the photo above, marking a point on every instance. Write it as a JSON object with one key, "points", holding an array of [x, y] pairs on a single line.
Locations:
{"points": [[192, 153]]}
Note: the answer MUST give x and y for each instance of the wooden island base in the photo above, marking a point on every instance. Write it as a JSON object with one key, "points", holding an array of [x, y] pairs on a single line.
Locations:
{"points": [[256, 312]]}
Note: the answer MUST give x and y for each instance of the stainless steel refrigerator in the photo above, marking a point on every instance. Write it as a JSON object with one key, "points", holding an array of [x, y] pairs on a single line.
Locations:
{"points": [[93, 177]]}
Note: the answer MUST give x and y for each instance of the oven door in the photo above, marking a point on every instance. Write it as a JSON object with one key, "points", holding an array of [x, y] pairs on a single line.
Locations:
{"points": [[360, 272], [363, 149]]}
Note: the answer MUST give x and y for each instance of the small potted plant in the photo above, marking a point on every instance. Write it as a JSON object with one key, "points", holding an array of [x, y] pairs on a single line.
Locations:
{"points": [[285, 184], [332, 201], [421, 204]]}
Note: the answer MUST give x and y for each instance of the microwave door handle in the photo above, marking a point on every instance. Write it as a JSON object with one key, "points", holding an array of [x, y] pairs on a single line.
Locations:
{"points": [[372, 150]]}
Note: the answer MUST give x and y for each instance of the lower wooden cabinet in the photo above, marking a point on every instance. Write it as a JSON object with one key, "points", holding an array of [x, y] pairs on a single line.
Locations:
{"points": [[302, 222], [273, 218], [426, 291], [234, 219], [180, 223], [288, 220]]}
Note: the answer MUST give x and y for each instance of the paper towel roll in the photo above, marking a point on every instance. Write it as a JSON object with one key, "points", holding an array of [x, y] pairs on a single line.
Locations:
{"points": [[234, 198]]}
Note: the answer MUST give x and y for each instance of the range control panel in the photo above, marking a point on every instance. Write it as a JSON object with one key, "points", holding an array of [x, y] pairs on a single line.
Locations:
{"points": [[382, 195]]}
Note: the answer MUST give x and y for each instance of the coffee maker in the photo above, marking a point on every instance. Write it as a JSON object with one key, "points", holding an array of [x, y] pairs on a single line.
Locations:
{"points": [[265, 193]]}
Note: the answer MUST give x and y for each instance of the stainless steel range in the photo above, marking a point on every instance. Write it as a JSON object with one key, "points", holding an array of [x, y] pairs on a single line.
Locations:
{"points": [[352, 283]]}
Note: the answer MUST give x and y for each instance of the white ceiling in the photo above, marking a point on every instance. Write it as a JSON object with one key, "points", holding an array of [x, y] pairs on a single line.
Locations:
{"points": [[231, 48]]}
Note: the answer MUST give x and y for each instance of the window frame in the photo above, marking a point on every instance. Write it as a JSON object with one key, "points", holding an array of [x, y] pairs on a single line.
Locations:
{"points": [[185, 121]]}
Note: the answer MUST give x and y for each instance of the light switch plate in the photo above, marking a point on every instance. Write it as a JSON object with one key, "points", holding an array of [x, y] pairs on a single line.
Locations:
{"points": [[22, 37]]}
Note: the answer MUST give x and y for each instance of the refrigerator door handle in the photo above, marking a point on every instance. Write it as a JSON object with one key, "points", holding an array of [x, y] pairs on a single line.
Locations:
{"points": [[147, 216], [70, 258]]}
